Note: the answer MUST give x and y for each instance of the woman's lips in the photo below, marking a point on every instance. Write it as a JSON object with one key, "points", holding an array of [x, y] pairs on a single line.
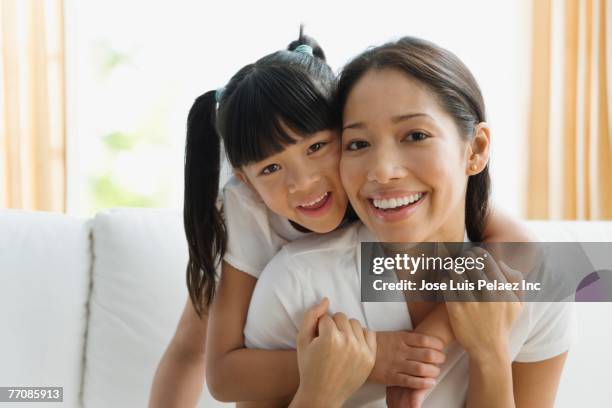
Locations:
{"points": [[319, 208], [397, 213]]}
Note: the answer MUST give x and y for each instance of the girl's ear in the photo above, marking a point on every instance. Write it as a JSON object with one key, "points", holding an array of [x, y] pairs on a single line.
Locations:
{"points": [[478, 149], [245, 179]]}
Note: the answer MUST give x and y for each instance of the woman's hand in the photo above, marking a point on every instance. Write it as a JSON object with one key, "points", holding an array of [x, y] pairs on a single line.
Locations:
{"points": [[407, 359], [483, 328], [335, 357]]}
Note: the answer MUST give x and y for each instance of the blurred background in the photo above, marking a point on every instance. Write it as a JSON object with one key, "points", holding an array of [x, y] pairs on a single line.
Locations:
{"points": [[95, 94]]}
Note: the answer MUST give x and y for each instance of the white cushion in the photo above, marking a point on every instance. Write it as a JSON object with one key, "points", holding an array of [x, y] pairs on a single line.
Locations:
{"points": [[138, 295], [44, 275], [589, 355], [572, 231]]}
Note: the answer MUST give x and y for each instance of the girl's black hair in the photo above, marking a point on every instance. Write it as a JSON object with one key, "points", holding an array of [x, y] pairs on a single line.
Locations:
{"points": [[455, 88], [262, 109]]}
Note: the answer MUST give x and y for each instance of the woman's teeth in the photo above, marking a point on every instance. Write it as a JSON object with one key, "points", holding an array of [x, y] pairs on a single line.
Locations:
{"points": [[315, 201], [391, 203]]}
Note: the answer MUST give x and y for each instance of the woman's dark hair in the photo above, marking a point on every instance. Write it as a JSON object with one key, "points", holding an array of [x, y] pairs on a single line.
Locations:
{"points": [[443, 73], [253, 116]]}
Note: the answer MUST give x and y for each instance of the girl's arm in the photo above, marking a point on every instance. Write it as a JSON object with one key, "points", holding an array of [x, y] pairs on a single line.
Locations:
{"points": [[233, 372], [179, 377]]}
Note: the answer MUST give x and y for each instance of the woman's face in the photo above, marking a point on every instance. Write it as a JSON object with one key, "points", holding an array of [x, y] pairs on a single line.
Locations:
{"points": [[404, 164], [302, 182]]}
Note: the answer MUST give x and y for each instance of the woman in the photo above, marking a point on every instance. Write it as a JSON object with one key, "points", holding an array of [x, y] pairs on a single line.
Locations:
{"points": [[415, 168]]}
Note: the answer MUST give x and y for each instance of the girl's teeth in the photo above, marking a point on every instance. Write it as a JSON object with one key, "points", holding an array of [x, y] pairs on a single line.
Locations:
{"points": [[315, 202], [397, 202]]}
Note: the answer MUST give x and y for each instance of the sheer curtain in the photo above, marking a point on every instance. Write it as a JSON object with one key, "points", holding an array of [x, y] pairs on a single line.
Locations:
{"points": [[32, 130], [570, 139]]}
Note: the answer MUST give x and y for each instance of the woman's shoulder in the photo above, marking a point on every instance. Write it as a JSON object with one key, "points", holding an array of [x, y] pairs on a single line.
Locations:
{"points": [[320, 246], [315, 253]]}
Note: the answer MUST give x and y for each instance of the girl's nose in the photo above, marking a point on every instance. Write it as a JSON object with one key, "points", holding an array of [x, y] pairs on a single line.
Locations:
{"points": [[302, 179]]}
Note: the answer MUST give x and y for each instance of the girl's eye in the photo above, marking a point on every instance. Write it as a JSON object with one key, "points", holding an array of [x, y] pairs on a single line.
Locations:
{"points": [[357, 145], [416, 136], [272, 168], [316, 147]]}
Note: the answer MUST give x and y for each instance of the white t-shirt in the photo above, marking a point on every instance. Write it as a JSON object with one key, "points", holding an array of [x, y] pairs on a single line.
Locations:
{"points": [[254, 233], [305, 271]]}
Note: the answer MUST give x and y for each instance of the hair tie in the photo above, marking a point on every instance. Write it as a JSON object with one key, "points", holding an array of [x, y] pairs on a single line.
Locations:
{"points": [[304, 49], [219, 94]]}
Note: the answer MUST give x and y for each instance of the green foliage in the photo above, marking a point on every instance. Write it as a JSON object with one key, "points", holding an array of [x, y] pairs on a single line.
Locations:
{"points": [[109, 58], [118, 141], [107, 193]]}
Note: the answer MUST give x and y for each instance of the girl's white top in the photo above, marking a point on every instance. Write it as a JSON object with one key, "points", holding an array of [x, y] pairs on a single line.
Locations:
{"points": [[255, 234], [306, 270]]}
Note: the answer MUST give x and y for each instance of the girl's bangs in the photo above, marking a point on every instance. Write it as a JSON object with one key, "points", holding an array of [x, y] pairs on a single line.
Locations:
{"points": [[274, 108]]}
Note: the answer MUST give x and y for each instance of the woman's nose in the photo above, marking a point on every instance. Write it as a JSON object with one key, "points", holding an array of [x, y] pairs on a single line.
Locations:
{"points": [[385, 167]]}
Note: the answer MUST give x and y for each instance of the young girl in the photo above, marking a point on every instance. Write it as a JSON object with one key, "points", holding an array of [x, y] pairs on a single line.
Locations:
{"points": [[414, 166], [278, 125]]}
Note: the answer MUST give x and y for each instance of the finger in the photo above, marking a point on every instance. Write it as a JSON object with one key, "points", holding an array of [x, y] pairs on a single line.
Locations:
{"points": [[512, 276], [417, 383], [418, 369], [491, 269], [326, 326], [342, 323], [474, 274], [425, 355], [422, 340], [357, 330], [308, 327]]}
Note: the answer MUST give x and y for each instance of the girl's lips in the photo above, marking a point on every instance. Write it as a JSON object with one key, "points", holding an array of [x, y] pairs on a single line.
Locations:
{"points": [[319, 209], [395, 214]]}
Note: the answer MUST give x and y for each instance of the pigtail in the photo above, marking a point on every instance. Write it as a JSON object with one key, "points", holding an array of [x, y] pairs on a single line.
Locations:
{"points": [[204, 227]]}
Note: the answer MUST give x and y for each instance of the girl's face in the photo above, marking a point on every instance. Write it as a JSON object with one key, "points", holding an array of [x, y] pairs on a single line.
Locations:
{"points": [[404, 165], [302, 182]]}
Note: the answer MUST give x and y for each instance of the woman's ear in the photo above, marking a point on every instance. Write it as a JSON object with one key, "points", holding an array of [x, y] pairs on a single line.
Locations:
{"points": [[245, 179], [478, 149]]}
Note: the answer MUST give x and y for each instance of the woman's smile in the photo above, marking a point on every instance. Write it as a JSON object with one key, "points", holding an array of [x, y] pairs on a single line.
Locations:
{"points": [[395, 206]]}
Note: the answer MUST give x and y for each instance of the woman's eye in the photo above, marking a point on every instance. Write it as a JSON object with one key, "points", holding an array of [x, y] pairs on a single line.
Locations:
{"points": [[272, 168], [316, 147], [416, 136], [357, 145]]}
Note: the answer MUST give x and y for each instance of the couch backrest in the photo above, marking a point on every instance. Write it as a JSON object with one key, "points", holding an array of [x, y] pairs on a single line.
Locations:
{"points": [[44, 284], [137, 297]]}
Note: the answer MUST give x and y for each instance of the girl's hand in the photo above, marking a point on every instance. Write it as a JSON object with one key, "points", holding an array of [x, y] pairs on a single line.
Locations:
{"points": [[335, 357], [483, 328], [407, 359]]}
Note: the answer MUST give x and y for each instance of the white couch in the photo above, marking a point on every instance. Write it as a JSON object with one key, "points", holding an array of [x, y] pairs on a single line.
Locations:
{"points": [[90, 305]]}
